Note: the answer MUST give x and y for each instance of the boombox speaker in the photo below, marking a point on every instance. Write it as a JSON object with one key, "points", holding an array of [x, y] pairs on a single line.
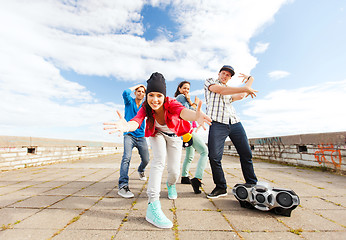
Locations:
{"points": [[265, 198]]}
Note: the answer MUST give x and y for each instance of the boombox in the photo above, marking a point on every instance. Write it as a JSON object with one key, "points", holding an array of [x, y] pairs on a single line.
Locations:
{"points": [[265, 198]]}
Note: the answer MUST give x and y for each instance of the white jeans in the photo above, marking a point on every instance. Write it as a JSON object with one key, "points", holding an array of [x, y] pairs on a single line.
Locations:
{"points": [[163, 147]]}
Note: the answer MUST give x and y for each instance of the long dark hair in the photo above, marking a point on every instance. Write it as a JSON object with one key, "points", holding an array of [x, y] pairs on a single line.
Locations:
{"points": [[179, 86], [149, 112]]}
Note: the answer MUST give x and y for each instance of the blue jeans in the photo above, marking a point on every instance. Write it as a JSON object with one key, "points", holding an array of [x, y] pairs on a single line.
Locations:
{"points": [[129, 143], [218, 132]]}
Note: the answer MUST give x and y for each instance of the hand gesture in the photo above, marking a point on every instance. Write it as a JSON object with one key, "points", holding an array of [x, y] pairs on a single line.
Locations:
{"points": [[197, 99], [201, 117], [187, 95], [250, 92], [118, 126], [248, 89], [245, 77]]}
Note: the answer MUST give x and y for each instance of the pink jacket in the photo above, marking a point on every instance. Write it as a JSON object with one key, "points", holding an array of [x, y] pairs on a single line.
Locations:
{"points": [[173, 109]]}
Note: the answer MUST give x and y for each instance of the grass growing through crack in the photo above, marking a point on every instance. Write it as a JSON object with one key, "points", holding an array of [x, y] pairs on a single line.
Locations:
{"points": [[8, 226], [296, 231]]}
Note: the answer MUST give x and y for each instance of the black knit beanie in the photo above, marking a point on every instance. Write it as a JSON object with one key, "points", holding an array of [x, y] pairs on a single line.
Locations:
{"points": [[156, 83]]}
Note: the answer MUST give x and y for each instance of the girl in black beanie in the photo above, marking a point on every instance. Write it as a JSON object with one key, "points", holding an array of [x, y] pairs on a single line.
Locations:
{"points": [[167, 120]]}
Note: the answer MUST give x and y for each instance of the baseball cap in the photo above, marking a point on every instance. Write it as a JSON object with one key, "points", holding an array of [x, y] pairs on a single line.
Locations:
{"points": [[228, 68]]}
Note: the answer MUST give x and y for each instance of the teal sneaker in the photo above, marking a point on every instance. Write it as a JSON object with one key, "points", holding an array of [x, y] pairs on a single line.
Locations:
{"points": [[172, 192], [156, 217]]}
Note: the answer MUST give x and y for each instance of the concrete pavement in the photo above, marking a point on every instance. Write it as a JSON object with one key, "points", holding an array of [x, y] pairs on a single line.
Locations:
{"points": [[78, 200]]}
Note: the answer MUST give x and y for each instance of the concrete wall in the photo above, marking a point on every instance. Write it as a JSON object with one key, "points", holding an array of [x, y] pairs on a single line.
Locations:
{"points": [[19, 152], [326, 150]]}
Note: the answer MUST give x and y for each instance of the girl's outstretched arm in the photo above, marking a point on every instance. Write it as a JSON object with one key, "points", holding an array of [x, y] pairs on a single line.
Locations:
{"points": [[198, 116], [121, 125]]}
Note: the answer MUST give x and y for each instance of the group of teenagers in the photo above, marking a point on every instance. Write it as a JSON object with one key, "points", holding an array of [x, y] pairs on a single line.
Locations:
{"points": [[168, 122]]}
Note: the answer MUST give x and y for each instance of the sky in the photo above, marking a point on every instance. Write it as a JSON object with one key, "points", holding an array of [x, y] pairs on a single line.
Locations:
{"points": [[64, 64]]}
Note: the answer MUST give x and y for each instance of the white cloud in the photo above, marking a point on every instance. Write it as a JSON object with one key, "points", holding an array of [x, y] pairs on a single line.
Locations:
{"points": [[40, 38], [260, 47], [85, 36], [278, 74], [197, 92], [314, 109]]}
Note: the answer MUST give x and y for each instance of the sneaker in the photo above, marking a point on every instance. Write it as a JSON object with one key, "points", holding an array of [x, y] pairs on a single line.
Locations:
{"points": [[172, 192], [185, 180], [142, 177], [125, 192], [156, 217], [217, 192], [196, 183]]}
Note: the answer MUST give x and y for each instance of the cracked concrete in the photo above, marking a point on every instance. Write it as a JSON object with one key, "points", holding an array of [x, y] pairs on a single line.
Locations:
{"points": [[79, 200]]}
